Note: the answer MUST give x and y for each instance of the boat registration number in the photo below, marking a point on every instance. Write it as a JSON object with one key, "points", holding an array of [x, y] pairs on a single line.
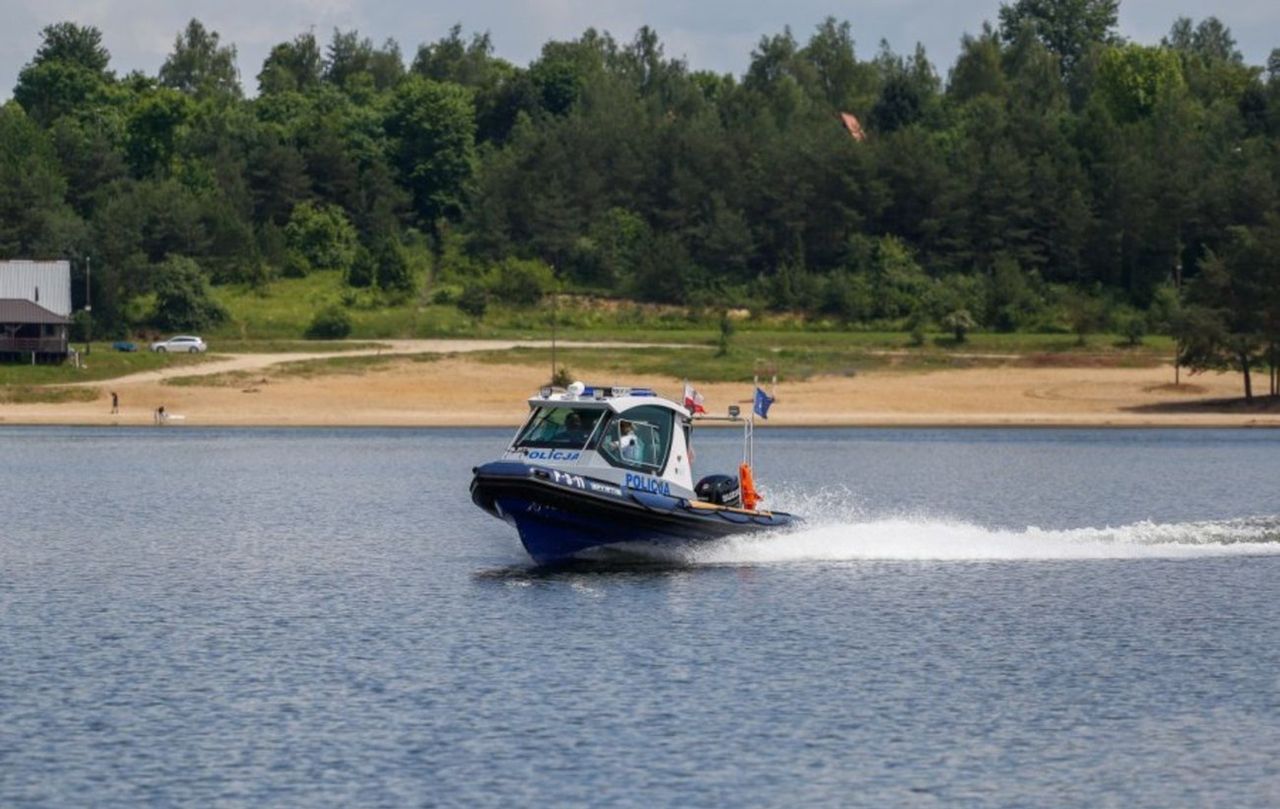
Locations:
{"points": [[586, 484]]}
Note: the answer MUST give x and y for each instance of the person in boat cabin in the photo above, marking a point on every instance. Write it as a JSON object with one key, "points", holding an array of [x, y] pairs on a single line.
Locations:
{"points": [[574, 431], [628, 443]]}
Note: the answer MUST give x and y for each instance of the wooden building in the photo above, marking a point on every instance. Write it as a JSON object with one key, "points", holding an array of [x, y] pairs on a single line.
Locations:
{"points": [[35, 310]]}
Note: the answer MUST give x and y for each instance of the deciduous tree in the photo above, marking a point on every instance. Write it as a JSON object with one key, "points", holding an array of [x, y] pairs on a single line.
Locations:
{"points": [[200, 66]]}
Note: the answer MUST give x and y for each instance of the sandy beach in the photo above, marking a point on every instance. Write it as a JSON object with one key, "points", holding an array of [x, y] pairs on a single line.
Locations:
{"points": [[457, 391]]}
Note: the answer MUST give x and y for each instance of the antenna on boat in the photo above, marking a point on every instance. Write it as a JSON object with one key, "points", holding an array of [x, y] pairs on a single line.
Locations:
{"points": [[554, 298]]}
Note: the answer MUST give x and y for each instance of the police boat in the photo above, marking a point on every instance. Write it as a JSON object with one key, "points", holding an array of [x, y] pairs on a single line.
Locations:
{"points": [[600, 473]]}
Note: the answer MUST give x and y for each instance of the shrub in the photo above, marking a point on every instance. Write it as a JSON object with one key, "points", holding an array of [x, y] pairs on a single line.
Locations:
{"points": [[330, 323], [392, 273], [322, 235], [918, 335], [445, 295], [959, 322], [1085, 313], [1133, 325], [522, 283], [182, 297], [1011, 301], [363, 269], [295, 265], [898, 284], [726, 333], [473, 301]]}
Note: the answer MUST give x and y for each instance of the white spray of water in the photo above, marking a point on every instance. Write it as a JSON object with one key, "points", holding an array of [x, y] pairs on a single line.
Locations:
{"points": [[907, 539], [852, 535]]}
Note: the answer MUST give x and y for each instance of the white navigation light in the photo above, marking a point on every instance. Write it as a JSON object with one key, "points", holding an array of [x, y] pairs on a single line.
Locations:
{"points": [[577, 388]]}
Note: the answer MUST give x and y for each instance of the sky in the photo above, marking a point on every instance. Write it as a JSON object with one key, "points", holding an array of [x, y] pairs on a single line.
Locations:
{"points": [[716, 35]]}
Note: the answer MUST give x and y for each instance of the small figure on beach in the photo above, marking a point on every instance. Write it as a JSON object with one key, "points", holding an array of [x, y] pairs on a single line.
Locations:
{"points": [[115, 403], [161, 417]]}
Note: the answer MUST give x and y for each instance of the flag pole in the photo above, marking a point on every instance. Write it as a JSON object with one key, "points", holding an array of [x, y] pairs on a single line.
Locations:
{"points": [[751, 448], [553, 336]]}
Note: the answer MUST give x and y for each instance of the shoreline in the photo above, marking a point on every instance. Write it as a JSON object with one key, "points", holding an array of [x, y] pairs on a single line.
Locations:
{"points": [[939, 425], [454, 391]]}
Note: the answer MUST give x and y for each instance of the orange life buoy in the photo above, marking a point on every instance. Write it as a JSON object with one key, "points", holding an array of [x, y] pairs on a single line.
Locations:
{"points": [[748, 488]]}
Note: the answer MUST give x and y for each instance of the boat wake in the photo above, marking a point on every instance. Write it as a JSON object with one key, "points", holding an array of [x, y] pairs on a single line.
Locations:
{"points": [[854, 536], [908, 539]]}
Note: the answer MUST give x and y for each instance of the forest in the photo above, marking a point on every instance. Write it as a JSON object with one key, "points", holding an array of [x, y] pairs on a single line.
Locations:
{"points": [[1056, 177]]}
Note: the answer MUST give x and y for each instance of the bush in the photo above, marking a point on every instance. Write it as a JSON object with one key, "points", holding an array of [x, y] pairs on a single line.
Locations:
{"points": [[959, 323], [726, 334], [295, 265], [322, 235], [330, 323], [182, 297], [898, 284], [1012, 303], [1086, 313], [1133, 325], [473, 301], [392, 273], [918, 335], [445, 295], [847, 296], [363, 269], [522, 283]]}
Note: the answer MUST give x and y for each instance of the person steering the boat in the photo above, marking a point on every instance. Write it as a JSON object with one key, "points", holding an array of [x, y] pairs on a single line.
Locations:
{"points": [[574, 431]]}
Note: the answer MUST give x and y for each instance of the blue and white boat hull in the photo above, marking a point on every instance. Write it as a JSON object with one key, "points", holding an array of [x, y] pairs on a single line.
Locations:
{"points": [[562, 516]]}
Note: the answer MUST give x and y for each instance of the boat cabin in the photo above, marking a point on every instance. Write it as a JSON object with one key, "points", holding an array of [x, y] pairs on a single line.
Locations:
{"points": [[630, 436]]}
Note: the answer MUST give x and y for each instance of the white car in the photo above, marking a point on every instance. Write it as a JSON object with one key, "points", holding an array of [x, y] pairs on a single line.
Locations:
{"points": [[183, 343]]}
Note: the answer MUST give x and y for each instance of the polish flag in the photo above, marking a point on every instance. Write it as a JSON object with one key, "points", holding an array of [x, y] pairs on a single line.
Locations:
{"points": [[693, 400]]}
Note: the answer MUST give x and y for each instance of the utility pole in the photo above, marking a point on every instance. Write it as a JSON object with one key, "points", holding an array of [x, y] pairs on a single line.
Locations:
{"points": [[88, 305], [1177, 286]]}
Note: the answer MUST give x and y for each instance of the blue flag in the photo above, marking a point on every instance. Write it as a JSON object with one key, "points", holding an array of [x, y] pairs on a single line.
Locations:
{"points": [[763, 401]]}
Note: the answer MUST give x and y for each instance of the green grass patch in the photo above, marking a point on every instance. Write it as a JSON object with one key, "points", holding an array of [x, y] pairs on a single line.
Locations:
{"points": [[703, 364], [33, 394], [279, 346], [102, 364], [279, 310], [803, 355], [329, 366], [273, 318], [301, 369], [277, 315]]}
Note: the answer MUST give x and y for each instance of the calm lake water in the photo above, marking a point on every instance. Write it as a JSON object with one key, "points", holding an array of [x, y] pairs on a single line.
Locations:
{"points": [[321, 617]]}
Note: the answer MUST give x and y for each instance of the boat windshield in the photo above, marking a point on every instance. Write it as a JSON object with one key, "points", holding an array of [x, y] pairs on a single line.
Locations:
{"points": [[559, 427]]}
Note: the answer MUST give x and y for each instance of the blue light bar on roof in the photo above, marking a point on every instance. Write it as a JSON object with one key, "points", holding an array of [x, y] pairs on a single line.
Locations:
{"points": [[603, 392]]}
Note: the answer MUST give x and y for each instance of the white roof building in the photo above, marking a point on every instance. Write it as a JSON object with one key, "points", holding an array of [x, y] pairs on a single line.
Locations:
{"points": [[45, 283]]}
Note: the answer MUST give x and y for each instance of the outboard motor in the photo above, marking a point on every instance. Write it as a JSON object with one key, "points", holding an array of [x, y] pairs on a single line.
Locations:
{"points": [[719, 489]]}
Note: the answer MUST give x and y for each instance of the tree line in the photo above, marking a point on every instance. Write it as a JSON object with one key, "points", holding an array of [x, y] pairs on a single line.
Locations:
{"points": [[1057, 176]]}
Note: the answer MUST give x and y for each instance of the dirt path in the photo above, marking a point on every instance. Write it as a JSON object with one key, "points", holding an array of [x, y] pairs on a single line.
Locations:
{"points": [[256, 362]]}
